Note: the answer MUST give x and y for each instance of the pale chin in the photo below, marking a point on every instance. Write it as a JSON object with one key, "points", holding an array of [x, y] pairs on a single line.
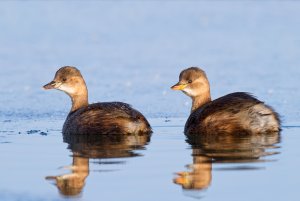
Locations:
{"points": [[189, 92], [67, 89]]}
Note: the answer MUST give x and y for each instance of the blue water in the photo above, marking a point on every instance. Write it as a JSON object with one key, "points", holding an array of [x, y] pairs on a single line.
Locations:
{"points": [[133, 52]]}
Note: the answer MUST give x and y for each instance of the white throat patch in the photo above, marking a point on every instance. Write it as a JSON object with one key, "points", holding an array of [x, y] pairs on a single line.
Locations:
{"points": [[189, 91], [67, 89]]}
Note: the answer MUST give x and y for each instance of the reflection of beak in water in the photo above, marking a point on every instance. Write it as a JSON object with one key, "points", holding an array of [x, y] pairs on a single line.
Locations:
{"points": [[85, 147], [199, 177], [72, 184], [230, 149]]}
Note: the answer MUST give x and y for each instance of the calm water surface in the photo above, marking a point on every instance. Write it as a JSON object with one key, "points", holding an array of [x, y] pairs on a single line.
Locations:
{"points": [[40, 165], [133, 52]]}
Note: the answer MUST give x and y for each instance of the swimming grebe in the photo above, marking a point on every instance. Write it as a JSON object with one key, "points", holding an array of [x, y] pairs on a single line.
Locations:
{"points": [[234, 113], [97, 118]]}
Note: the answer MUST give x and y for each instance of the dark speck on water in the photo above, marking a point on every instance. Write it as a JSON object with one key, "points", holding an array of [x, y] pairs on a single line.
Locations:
{"points": [[36, 132], [43, 133], [33, 131], [167, 120], [133, 51]]}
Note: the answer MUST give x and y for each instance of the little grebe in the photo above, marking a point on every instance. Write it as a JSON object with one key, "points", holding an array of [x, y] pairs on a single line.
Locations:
{"points": [[97, 118], [234, 113]]}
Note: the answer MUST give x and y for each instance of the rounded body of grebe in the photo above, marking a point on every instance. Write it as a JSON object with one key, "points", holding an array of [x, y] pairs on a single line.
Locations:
{"points": [[106, 118], [98, 118], [236, 113]]}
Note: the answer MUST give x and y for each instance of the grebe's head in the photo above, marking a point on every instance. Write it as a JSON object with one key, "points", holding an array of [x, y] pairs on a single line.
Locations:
{"points": [[193, 82], [67, 79]]}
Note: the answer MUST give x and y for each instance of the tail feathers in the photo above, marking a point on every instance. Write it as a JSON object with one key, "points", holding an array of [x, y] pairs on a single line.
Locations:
{"points": [[138, 126], [264, 119]]}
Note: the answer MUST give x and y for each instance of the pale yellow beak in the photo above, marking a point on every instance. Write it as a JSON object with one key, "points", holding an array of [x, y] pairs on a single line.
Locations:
{"points": [[178, 86], [182, 178]]}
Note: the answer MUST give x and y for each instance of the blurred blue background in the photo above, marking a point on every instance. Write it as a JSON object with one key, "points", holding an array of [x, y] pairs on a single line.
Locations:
{"points": [[134, 51]]}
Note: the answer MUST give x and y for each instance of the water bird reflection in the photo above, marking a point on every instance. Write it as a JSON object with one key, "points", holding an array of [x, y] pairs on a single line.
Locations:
{"points": [[85, 147], [239, 151]]}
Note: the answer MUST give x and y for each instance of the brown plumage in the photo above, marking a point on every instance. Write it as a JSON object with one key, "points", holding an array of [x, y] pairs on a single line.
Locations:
{"points": [[97, 118], [230, 149], [235, 113], [85, 147]]}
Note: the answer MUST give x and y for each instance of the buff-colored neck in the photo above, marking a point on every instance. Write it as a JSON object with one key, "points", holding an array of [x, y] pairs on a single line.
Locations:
{"points": [[80, 98], [81, 164], [200, 100]]}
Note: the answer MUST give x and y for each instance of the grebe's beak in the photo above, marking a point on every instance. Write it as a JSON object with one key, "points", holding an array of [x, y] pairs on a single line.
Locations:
{"points": [[50, 177], [178, 86], [51, 85], [182, 178]]}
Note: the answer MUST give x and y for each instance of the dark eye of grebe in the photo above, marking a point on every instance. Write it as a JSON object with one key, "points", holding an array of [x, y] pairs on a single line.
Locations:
{"points": [[190, 81], [64, 79]]}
